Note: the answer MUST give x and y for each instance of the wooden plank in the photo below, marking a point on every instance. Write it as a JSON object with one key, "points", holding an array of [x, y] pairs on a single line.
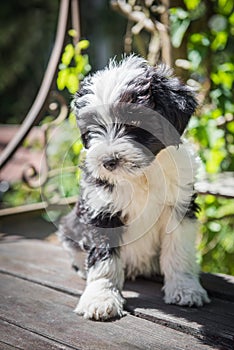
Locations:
{"points": [[40, 262], [15, 337], [214, 321], [222, 185], [47, 313], [48, 265], [4, 346]]}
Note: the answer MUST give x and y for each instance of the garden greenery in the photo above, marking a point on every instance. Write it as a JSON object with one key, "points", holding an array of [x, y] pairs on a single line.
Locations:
{"points": [[207, 28]]}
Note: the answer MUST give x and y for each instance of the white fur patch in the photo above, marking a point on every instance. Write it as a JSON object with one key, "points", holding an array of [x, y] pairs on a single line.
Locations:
{"points": [[111, 269], [185, 290], [100, 301], [106, 85]]}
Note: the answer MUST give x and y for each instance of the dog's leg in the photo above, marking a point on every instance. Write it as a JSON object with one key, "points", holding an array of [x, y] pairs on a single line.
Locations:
{"points": [[178, 264], [102, 297]]}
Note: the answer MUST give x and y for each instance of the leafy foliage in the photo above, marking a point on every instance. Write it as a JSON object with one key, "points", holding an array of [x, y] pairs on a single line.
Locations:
{"points": [[207, 29], [74, 66]]}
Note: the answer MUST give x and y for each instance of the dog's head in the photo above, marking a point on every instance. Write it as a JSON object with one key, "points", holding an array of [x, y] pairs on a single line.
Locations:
{"points": [[128, 113]]}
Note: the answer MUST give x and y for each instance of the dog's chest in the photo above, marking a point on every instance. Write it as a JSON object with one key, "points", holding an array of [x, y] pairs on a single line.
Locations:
{"points": [[141, 257], [140, 244]]}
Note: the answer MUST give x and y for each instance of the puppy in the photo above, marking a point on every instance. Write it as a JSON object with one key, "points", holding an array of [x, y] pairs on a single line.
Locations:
{"points": [[136, 209]]}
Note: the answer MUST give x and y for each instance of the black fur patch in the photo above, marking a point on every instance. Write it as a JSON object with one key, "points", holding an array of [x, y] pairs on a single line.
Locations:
{"points": [[107, 220], [84, 90], [173, 100], [99, 236], [96, 181], [145, 140], [164, 94], [100, 253], [105, 240], [193, 208]]}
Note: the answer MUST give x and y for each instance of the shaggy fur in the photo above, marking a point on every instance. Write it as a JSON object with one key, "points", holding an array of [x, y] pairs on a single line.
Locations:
{"points": [[135, 213]]}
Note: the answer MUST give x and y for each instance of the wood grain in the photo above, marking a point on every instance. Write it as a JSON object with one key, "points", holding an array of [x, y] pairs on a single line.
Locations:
{"points": [[16, 337], [47, 313], [39, 290]]}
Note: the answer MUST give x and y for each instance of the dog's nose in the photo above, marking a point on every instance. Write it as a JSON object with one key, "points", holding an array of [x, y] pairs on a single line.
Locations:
{"points": [[110, 164]]}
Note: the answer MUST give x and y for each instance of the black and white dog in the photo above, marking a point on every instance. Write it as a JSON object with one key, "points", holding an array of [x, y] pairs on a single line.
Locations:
{"points": [[136, 211]]}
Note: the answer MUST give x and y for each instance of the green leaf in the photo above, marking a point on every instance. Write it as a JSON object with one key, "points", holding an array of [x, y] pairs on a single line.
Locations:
{"points": [[226, 6], [72, 83], [72, 119], [192, 4], [216, 113], [72, 33], [179, 31], [77, 147], [214, 160], [83, 44], [231, 19], [199, 38], [209, 199], [62, 79], [195, 58], [230, 127], [68, 54], [225, 209], [227, 66], [220, 41]]}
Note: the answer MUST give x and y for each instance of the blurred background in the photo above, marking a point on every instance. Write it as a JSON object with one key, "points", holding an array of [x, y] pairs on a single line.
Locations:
{"points": [[39, 176]]}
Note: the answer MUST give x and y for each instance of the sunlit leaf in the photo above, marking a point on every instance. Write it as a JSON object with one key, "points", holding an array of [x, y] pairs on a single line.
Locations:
{"points": [[195, 58], [227, 66], [231, 19], [220, 41], [68, 54], [199, 38], [77, 147], [214, 160], [226, 6], [230, 127], [72, 33], [72, 119], [192, 4], [225, 209], [209, 199], [72, 83], [179, 32], [62, 79], [83, 44]]}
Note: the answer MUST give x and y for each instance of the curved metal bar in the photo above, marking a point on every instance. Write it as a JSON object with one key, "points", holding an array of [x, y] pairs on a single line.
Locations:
{"points": [[31, 176], [75, 20], [34, 114]]}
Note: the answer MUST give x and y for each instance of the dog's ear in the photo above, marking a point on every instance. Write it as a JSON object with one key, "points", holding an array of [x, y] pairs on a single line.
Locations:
{"points": [[171, 98]]}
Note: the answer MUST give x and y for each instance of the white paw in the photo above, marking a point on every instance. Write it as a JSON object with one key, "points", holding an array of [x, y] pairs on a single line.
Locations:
{"points": [[185, 290], [100, 301]]}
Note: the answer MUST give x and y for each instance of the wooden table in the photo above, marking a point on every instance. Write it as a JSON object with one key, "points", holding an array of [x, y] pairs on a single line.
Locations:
{"points": [[39, 291]]}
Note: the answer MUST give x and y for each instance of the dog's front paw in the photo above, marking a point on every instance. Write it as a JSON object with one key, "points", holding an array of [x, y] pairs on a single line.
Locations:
{"points": [[100, 301], [185, 291]]}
